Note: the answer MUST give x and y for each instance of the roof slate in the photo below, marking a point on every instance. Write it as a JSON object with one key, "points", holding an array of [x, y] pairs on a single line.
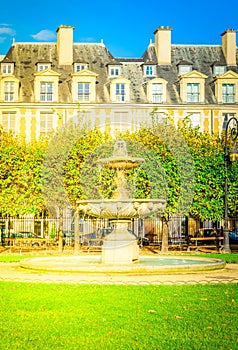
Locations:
{"points": [[27, 55]]}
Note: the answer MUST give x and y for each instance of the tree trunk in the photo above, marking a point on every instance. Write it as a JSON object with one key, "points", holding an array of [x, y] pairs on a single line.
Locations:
{"points": [[61, 238], [76, 233], [165, 237]]}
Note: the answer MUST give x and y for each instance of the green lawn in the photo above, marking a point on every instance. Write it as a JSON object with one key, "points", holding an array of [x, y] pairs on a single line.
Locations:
{"points": [[66, 316]]}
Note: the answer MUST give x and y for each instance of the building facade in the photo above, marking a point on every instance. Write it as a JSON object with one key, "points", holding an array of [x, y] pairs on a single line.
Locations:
{"points": [[44, 85]]}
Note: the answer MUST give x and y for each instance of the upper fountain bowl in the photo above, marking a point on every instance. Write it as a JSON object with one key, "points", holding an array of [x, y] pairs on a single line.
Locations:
{"points": [[126, 209]]}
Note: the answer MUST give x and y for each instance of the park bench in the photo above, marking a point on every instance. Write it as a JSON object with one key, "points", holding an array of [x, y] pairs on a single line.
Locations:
{"points": [[202, 243]]}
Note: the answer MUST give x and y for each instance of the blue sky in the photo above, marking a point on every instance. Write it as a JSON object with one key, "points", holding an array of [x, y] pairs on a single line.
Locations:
{"points": [[125, 26]]}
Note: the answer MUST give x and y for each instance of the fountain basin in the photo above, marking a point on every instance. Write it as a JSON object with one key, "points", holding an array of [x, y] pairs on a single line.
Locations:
{"points": [[145, 265], [120, 208]]}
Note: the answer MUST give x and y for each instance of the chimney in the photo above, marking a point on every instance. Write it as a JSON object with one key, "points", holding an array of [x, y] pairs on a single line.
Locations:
{"points": [[163, 44], [229, 46], [65, 44]]}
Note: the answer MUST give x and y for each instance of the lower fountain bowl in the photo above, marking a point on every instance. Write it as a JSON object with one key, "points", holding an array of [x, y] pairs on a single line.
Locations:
{"points": [[145, 265]]}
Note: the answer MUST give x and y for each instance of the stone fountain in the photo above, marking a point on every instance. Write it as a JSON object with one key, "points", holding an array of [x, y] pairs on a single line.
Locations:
{"points": [[120, 246], [120, 251]]}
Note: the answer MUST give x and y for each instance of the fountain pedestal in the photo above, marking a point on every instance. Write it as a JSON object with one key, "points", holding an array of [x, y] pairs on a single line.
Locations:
{"points": [[120, 246]]}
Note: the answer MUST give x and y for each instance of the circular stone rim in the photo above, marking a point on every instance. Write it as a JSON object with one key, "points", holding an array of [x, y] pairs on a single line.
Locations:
{"points": [[39, 264]]}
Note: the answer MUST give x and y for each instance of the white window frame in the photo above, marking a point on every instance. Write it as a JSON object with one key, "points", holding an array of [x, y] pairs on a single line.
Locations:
{"points": [[9, 87], [195, 118], [121, 122], [80, 66], [226, 117], [193, 92], [228, 93], [184, 68], [46, 124], [83, 91], [43, 66], [114, 71], [7, 68], [46, 91], [9, 122], [120, 92], [157, 92], [219, 70], [149, 70]]}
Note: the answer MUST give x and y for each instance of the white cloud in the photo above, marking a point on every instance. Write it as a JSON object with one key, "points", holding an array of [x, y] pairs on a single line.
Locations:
{"points": [[44, 35], [7, 31]]}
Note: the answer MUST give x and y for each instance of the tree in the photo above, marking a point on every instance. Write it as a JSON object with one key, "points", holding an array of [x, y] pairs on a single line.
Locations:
{"points": [[20, 176]]}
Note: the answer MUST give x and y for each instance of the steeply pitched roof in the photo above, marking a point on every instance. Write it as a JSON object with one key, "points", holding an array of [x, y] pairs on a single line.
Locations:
{"points": [[27, 55]]}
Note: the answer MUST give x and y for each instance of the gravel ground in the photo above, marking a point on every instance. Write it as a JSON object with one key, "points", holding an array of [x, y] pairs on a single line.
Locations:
{"points": [[13, 272]]}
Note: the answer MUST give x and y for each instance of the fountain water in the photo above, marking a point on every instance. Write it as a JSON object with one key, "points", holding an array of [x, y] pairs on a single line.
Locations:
{"points": [[120, 251]]}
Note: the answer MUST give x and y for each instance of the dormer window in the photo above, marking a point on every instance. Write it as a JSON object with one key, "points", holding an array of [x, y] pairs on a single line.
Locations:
{"points": [[156, 90], [184, 69], [193, 92], [120, 90], [43, 66], [9, 89], [192, 87], [149, 70], [46, 91], [228, 93], [80, 66], [7, 68], [114, 71], [84, 86], [226, 87], [219, 70], [46, 86]]}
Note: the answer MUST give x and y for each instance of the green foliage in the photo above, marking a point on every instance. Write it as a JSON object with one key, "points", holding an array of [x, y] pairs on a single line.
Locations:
{"points": [[185, 167], [20, 176], [208, 154]]}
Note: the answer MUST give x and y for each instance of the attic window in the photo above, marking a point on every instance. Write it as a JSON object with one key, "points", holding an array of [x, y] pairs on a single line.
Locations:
{"points": [[80, 66], [184, 69], [219, 70], [149, 70], [114, 71], [7, 68], [43, 66]]}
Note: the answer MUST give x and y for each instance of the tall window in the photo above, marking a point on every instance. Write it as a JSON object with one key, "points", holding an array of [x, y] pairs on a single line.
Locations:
{"points": [[121, 122], [157, 93], [46, 123], [8, 91], [195, 119], [46, 92], [193, 92], [228, 93], [83, 92], [226, 118], [9, 121], [120, 92]]}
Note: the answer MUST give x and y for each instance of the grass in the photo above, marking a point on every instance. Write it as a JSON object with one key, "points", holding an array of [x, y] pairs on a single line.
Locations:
{"points": [[67, 316], [231, 258], [64, 316]]}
